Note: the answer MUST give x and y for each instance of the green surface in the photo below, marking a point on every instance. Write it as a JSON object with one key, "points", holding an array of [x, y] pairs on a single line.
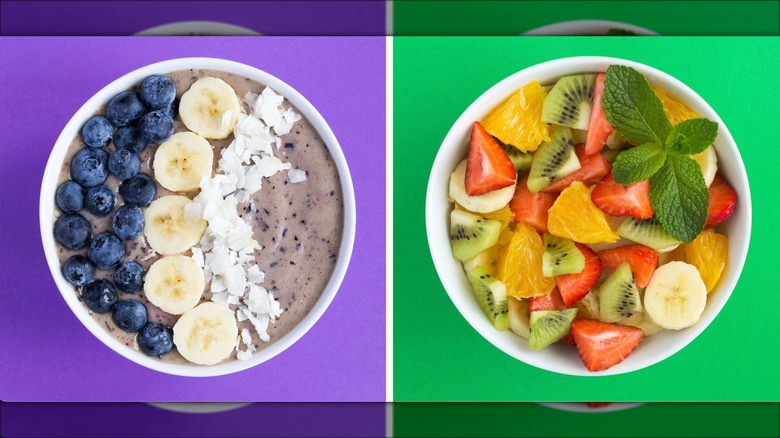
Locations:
{"points": [[532, 420], [439, 356], [666, 17]]}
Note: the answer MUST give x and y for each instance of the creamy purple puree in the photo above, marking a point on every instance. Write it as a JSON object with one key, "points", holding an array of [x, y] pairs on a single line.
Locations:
{"points": [[298, 225]]}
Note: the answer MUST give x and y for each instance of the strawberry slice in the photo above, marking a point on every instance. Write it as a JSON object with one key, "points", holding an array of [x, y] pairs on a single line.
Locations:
{"points": [[531, 208], [488, 168], [575, 286], [601, 345], [594, 405], [551, 301], [594, 167], [723, 199], [643, 261], [618, 200], [599, 128]]}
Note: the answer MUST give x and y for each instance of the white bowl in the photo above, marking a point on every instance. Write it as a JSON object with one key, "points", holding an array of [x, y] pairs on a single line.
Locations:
{"points": [[583, 408], [557, 357], [198, 28], [586, 27], [49, 187]]}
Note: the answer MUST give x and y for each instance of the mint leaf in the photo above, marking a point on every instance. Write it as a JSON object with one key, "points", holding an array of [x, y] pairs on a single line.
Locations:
{"points": [[680, 197], [691, 136], [638, 164], [633, 108], [616, 31]]}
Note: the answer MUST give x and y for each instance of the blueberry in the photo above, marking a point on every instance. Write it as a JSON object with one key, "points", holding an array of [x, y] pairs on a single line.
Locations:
{"points": [[138, 190], [78, 270], [129, 277], [124, 163], [156, 126], [128, 137], [100, 200], [155, 339], [157, 92], [124, 109], [72, 231], [89, 167], [70, 197], [100, 296], [172, 110], [129, 315], [128, 222], [106, 251], [97, 132]]}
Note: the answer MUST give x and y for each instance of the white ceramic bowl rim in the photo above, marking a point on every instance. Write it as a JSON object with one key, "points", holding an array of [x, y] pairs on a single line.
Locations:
{"points": [[52, 173], [455, 282], [586, 27], [212, 28]]}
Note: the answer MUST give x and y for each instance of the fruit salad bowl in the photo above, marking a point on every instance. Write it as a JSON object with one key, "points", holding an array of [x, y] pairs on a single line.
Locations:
{"points": [[50, 211], [561, 357]]}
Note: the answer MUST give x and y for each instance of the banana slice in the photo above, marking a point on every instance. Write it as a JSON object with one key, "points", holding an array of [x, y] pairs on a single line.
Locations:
{"points": [[488, 259], [643, 322], [210, 108], [676, 296], [519, 317], [168, 230], [207, 334], [182, 161], [708, 161], [174, 284], [486, 203], [588, 306]]}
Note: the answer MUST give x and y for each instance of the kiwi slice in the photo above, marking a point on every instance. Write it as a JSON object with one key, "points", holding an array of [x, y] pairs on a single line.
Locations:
{"points": [[553, 160], [619, 295], [561, 257], [570, 101], [521, 160], [491, 295], [648, 232], [548, 326], [471, 234]]}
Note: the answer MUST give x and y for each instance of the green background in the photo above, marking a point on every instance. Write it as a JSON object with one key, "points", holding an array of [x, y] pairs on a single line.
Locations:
{"points": [[439, 357], [667, 17], [532, 420]]}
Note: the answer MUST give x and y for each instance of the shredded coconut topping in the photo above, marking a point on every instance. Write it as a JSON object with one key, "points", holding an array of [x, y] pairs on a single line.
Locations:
{"points": [[226, 251]]}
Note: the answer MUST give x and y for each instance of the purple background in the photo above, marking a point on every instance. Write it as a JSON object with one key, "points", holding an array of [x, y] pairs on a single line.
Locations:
{"points": [[48, 355], [142, 420], [119, 17]]}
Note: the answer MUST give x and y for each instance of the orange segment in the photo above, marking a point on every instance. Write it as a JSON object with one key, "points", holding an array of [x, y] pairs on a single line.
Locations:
{"points": [[709, 253], [676, 111], [574, 216], [520, 265], [518, 120]]}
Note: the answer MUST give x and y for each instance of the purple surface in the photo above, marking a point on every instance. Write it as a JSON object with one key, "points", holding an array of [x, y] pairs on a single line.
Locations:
{"points": [[47, 355], [141, 420], [119, 17]]}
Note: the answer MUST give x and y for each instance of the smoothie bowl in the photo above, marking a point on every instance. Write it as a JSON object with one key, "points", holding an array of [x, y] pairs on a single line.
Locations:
{"points": [[197, 216], [555, 221]]}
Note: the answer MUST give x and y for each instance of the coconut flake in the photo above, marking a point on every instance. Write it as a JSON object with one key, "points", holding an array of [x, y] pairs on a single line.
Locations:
{"points": [[296, 175]]}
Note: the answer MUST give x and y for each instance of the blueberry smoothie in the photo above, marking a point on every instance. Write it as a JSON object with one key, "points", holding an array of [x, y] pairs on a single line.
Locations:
{"points": [[137, 154]]}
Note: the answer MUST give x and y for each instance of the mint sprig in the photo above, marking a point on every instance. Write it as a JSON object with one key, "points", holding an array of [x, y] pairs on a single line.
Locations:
{"points": [[638, 164], [633, 108], [691, 136], [680, 197], [678, 193]]}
